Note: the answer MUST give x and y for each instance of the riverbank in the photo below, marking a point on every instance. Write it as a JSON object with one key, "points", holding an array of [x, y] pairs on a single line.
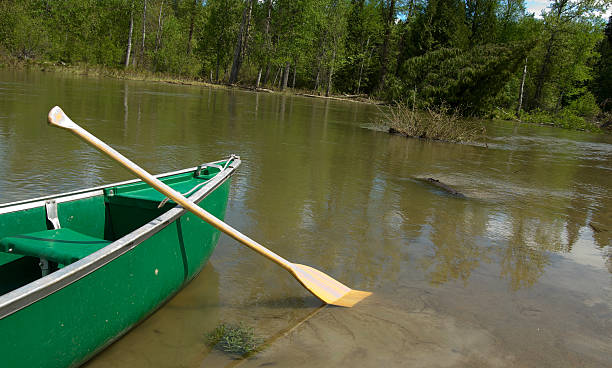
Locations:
{"points": [[562, 120], [144, 75]]}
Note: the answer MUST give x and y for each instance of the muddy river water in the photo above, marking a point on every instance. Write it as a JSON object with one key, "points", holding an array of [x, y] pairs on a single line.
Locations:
{"points": [[516, 274]]}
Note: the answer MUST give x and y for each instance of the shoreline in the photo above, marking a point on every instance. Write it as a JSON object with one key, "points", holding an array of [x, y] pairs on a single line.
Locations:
{"points": [[98, 71], [146, 76]]}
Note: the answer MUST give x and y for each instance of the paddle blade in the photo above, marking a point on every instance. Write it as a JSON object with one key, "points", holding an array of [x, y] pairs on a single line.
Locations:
{"points": [[326, 288], [57, 118]]}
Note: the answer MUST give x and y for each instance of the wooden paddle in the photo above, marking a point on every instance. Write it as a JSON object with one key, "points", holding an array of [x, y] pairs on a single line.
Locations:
{"points": [[321, 285]]}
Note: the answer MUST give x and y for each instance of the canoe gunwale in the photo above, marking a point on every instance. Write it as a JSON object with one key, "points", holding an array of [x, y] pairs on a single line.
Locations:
{"points": [[86, 193], [58, 198], [26, 295]]}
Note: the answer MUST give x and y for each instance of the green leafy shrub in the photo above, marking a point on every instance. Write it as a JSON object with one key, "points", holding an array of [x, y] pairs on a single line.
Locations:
{"points": [[585, 106], [537, 117], [501, 114], [566, 119], [569, 120]]}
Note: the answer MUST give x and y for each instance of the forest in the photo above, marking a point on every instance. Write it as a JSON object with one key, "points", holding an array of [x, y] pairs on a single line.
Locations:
{"points": [[482, 57]]}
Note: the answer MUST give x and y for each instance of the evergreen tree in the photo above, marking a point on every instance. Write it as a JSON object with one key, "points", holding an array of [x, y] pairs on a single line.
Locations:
{"points": [[466, 80], [481, 20], [441, 25], [603, 80]]}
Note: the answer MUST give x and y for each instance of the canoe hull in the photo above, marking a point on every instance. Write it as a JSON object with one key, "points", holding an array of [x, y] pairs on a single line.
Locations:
{"points": [[71, 324]]}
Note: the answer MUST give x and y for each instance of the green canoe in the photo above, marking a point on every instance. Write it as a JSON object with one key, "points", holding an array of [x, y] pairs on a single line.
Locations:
{"points": [[78, 270]]}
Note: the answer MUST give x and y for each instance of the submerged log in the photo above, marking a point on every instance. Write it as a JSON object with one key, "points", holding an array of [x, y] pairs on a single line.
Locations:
{"points": [[438, 184]]}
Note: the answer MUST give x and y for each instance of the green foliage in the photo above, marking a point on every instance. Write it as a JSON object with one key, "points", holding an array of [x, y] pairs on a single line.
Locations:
{"points": [[21, 31], [442, 24], [466, 80], [172, 58], [565, 118], [465, 53], [536, 117], [584, 106], [363, 34], [233, 339], [512, 21], [602, 85], [482, 20], [219, 31], [562, 62]]}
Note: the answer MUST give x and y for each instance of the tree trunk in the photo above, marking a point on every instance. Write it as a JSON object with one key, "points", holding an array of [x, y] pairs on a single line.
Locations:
{"points": [[544, 74], [331, 71], [544, 71], [268, 42], [159, 27], [238, 49], [193, 10], [144, 32], [520, 102], [319, 61], [268, 17], [362, 62], [294, 73], [243, 35], [281, 77], [267, 74], [286, 75], [217, 69], [385, 51], [245, 43], [129, 45], [258, 78], [275, 77], [559, 102]]}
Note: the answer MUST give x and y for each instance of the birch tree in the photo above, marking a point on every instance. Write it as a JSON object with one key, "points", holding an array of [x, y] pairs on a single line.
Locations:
{"points": [[129, 43]]}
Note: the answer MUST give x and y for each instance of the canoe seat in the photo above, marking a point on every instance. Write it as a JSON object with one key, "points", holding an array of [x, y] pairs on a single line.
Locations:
{"points": [[62, 246]]}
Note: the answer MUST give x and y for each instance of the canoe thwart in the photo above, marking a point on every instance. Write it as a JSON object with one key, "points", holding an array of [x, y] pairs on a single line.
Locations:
{"points": [[63, 246]]}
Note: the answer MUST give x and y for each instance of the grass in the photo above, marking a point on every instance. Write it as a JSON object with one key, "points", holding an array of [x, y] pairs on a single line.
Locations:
{"points": [[234, 339], [441, 124]]}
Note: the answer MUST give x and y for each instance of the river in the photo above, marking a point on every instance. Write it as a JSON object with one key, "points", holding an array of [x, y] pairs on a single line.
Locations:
{"points": [[517, 273]]}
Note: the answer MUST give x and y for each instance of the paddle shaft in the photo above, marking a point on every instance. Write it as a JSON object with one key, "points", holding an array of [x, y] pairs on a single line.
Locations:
{"points": [[178, 197], [318, 283]]}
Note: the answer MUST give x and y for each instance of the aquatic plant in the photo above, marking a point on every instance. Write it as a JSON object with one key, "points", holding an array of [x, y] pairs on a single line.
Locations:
{"points": [[439, 123], [234, 339]]}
